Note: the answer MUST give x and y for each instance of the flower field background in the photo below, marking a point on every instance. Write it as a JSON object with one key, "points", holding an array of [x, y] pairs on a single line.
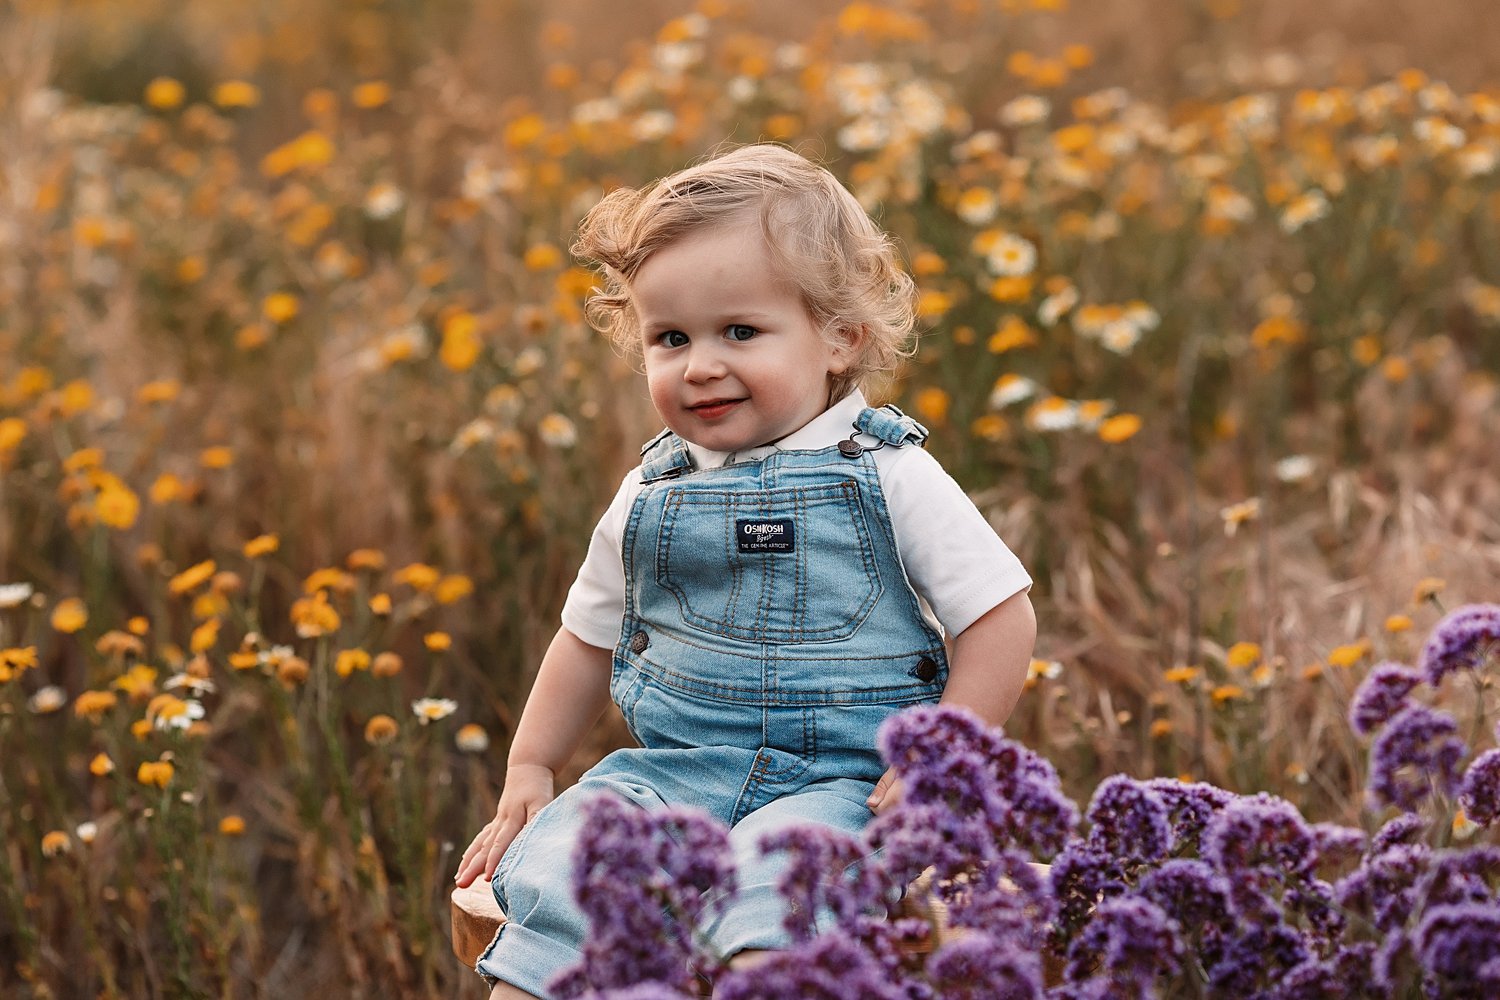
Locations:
{"points": [[302, 433]]}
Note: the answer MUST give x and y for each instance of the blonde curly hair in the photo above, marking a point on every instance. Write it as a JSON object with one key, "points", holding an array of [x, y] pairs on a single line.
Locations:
{"points": [[818, 235]]}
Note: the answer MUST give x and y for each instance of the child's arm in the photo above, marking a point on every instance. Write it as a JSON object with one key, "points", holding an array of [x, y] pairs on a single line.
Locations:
{"points": [[986, 671], [570, 693]]}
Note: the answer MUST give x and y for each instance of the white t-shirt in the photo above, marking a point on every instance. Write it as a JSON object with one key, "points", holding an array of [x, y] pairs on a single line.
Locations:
{"points": [[954, 560]]}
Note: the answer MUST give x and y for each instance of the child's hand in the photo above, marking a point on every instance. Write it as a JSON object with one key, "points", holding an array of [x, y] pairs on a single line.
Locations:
{"points": [[886, 794], [528, 787]]}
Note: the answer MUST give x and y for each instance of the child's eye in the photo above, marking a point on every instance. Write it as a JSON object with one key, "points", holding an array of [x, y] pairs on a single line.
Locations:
{"points": [[672, 338], [739, 331]]}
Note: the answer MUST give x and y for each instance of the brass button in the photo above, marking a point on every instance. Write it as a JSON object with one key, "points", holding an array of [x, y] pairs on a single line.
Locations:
{"points": [[639, 642], [926, 670], [850, 448]]}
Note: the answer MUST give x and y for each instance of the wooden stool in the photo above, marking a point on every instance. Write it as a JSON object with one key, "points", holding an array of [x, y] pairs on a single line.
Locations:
{"points": [[476, 918]]}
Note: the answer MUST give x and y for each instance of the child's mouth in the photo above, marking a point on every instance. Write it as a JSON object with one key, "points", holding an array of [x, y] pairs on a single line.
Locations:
{"points": [[714, 408]]}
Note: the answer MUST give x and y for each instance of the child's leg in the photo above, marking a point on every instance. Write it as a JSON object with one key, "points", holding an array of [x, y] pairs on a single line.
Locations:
{"points": [[505, 991], [544, 928], [753, 922]]}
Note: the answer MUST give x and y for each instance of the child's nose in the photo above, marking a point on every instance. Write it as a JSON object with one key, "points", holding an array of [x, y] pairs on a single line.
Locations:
{"points": [[703, 363]]}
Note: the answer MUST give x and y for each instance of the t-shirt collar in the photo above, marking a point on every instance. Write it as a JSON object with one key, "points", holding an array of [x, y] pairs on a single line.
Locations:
{"points": [[829, 427]]}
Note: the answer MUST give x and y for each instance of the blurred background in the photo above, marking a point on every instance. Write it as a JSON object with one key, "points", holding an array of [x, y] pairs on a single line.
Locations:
{"points": [[303, 434]]}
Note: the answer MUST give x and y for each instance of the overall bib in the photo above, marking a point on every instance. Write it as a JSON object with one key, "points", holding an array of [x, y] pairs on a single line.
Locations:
{"points": [[769, 629]]}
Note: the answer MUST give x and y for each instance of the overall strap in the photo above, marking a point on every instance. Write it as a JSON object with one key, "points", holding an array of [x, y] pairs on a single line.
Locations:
{"points": [[890, 426], [664, 457]]}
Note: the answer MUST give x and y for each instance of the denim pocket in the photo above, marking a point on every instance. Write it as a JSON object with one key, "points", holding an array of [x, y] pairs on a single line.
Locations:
{"points": [[795, 564]]}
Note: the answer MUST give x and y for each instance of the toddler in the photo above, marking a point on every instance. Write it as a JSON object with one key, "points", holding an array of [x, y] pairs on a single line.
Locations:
{"points": [[778, 574]]}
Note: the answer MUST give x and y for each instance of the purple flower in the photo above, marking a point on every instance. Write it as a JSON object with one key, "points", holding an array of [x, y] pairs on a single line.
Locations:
{"points": [[1190, 805], [1345, 974], [1336, 844], [1480, 792], [643, 881], [1080, 877], [1461, 876], [1381, 695], [1197, 897], [946, 757], [1456, 946], [1414, 754], [1129, 943], [1263, 950], [985, 967], [1404, 828], [1262, 837], [1189, 892], [1128, 821], [1461, 641], [825, 871], [1384, 888], [829, 967]]}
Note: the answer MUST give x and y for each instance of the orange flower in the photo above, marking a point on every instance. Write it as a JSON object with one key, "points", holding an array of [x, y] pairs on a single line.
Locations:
{"points": [[70, 615], [192, 577], [158, 773]]}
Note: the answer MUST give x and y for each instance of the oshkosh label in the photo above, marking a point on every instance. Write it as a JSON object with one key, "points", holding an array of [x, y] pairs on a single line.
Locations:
{"points": [[770, 535]]}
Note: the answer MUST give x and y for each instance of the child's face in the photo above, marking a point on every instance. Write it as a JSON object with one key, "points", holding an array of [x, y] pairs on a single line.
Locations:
{"points": [[732, 358]]}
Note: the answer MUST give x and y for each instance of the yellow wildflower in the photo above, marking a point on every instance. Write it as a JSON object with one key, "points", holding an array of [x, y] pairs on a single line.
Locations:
{"points": [[437, 641], [205, 636], [1161, 728], [158, 773], [329, 578], [453, 588], [1120, 427], [542, 257], [138, 625], [1427, 589], [280, 307], [101, 765], [386, 664], [1349, 654], [232, 825], [236, 94], [56, 842], [92, 705], [370, 559], [313, 616], [12, 432], [291, 671], [1014, 332], [472, 738], [165, 93], [70, 615], [138, 683], [932, 404], [261, 545], [218, 457], [1182, 675], [370, 95], [167, 488], [380, 604], [192, 577], [381, 729], [1398, 623], [350, 660], [418, 576], [1242, 654], [1226, 693]]}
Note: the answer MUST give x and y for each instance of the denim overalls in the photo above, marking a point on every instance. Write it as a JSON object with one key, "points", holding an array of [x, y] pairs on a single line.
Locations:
{"points": [[769, 629]]}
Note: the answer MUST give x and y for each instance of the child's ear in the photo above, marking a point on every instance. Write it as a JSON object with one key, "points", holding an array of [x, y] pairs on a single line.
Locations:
{"points": [[847, 342]]}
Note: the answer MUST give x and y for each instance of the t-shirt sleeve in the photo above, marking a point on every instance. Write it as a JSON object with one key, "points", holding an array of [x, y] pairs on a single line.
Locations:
{"points": [[953, 557], [595, 605]]}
